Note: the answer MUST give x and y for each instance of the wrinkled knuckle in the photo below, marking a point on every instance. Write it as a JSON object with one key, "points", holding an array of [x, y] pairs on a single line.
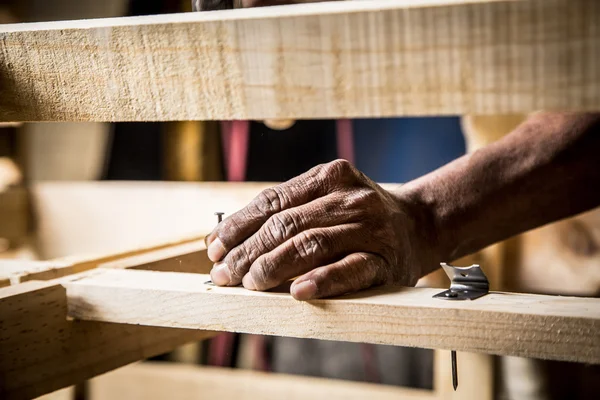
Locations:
{"points": [[380, 272], [323, 277], [309, 244], [246, 215], [342, 165], [271, 200], [239, 260], [341, 169], [283, 226], [362, 199], [374, 271], [335, 172], [262, 273]]}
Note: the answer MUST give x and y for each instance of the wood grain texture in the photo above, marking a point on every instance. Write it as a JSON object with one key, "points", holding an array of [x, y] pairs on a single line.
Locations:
{"points": [[41, 351], [500, 323], [80, 217], [330, 60], [153, 381], [187, 257], [178, 255]]}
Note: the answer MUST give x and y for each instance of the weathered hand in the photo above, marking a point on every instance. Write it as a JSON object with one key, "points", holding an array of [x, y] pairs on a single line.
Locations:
{"points": [[332, 226]]}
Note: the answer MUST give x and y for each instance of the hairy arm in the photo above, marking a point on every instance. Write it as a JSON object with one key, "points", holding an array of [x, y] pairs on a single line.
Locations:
{"points": [[339, 232], [545, 170]]}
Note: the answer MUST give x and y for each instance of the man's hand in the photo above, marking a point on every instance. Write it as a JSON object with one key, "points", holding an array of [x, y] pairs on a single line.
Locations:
{"points": [[332, 226]]}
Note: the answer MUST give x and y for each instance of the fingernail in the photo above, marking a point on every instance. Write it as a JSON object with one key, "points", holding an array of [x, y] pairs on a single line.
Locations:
{"points": [[220, 274], [216, 250], [248, 282], [304, 290]]}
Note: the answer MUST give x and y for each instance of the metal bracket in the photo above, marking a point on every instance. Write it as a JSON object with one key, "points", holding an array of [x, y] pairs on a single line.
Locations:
{"points": [[466, 283]]}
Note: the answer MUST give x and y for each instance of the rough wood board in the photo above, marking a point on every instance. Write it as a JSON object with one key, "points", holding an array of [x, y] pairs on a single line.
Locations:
{"points": [[187, 257], [149, 381], [560, 328], [41, 351], [178, 255], [329, 60], [154, 381], [147, 213]]}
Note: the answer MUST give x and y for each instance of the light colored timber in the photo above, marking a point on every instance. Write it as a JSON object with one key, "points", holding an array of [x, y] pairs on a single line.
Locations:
{"points": [[325, 60], [157, 381], [187, 257], [80, 217], [181, 255], [42, 351], [559, 328]]}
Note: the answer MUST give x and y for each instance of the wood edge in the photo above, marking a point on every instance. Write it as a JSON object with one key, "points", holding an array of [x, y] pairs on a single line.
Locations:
{"points": [[64, 266], [86, 294], [259, 13], [154, 255], [255, 382]]}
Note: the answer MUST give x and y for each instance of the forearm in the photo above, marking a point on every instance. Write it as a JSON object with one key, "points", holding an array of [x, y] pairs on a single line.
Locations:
{"points": [[545, 170]]}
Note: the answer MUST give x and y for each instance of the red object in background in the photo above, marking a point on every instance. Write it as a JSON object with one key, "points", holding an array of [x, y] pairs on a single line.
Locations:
{"points": [[345, 139], [235, 138]]}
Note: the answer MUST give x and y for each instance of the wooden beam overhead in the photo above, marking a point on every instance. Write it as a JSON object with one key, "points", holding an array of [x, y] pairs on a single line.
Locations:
{"points": [[329, 60], [549, 327]]}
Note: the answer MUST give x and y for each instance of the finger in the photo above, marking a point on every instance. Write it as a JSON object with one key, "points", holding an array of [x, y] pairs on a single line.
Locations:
{"points": [[354, 272], [324, 212], [305, 251], [313, 184]]}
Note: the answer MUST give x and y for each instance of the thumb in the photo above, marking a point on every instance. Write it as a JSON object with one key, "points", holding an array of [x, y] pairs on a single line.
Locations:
{"points": [[352, 273]]}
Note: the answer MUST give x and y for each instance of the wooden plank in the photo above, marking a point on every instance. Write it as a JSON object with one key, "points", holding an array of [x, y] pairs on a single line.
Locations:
{"points": [[180, 255], [42, 351], [328, 60], [80, 217], [536, 326], [149, 381], [187, 257]]}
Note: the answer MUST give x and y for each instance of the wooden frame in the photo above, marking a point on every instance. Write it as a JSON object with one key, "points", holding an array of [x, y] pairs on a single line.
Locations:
{"points": [[405, 57], [43, 351], [549, 327], [34, 359]]}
